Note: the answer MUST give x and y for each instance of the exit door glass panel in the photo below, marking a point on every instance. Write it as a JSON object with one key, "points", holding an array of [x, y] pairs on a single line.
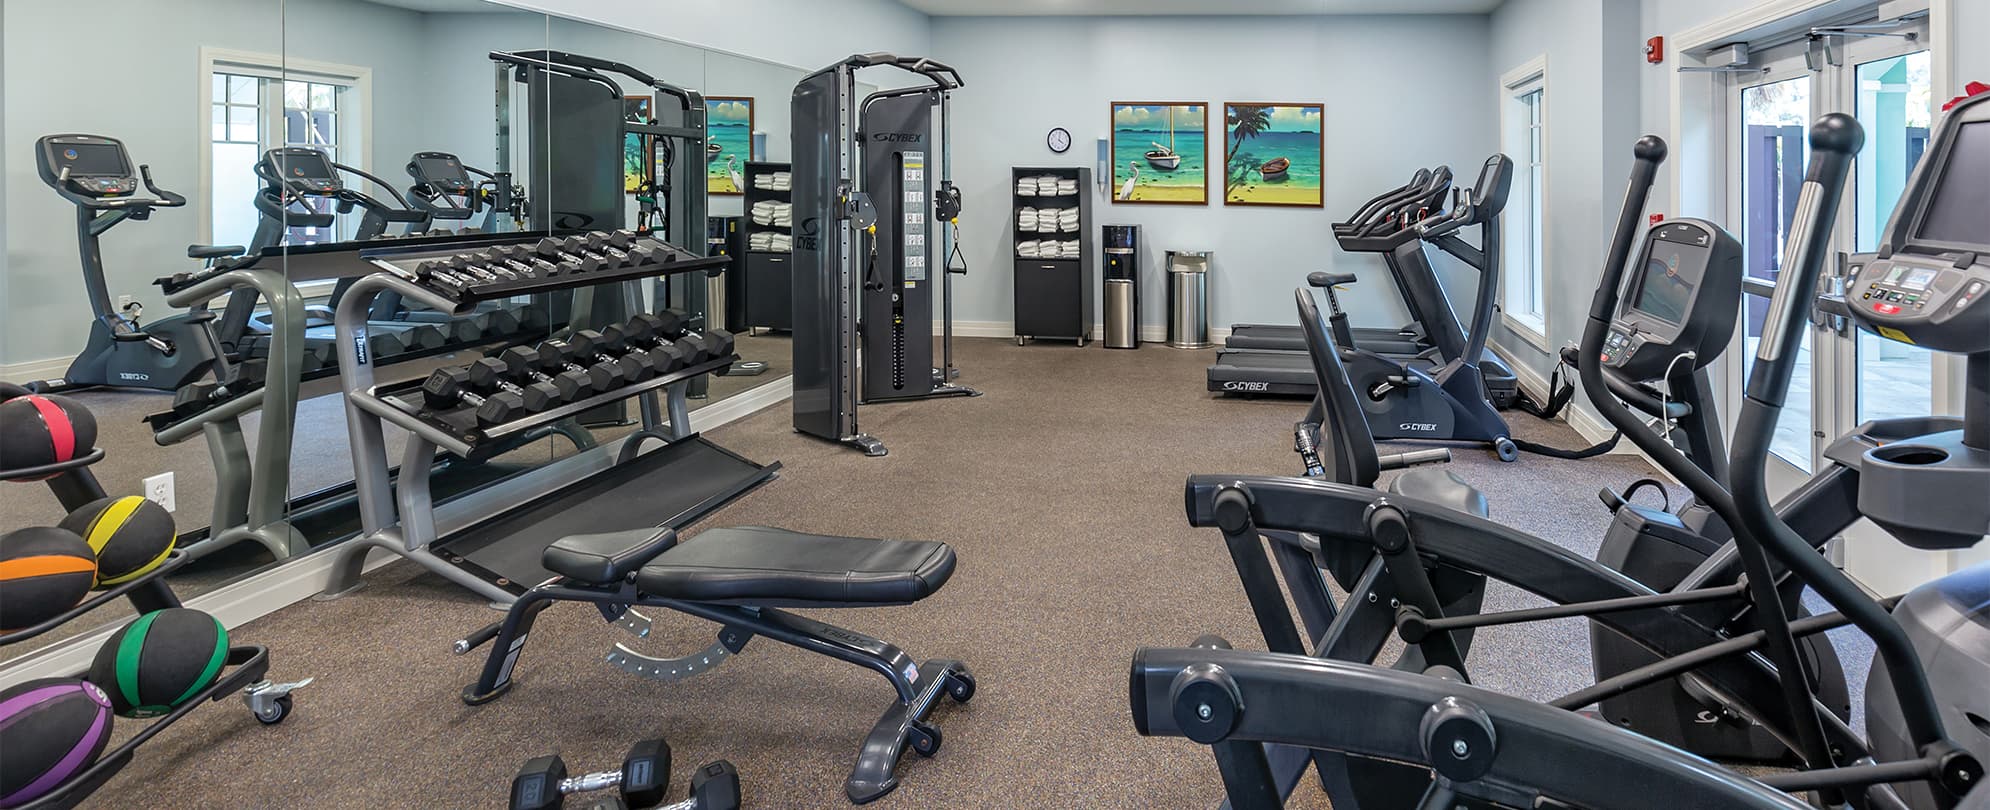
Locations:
{"points": [[1774, 118], [1895, 103]]}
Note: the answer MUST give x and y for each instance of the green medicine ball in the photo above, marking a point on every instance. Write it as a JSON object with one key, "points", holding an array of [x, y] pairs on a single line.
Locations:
{"points": [[160, 661]]}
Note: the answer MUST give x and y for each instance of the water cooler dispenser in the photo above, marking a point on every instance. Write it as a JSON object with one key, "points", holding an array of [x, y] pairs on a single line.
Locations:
{"points": [[1122, 286]]}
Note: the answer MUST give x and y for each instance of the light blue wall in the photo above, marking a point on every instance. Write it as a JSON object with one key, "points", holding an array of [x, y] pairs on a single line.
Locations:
{"points": [[1972, 59], [1398, 95], [149, 102], [1592, 109]]}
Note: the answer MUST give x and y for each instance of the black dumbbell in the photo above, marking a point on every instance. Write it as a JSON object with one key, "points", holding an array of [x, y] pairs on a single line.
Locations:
{"points": [[643, 333], [665, 324], [449, 387], [560, 358], [711, 344], [547, 362], [505, 373], [643, 780], [635, 364], [533, 318], [436, 274]]}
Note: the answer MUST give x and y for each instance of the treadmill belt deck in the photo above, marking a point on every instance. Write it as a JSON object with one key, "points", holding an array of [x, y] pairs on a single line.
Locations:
{"points": [[672, 486]]}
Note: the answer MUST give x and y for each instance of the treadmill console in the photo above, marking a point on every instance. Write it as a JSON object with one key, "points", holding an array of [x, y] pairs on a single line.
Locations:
{"points": [[304, 170], [90, 165], [1680, 299], [1928, 284], [442, 172]]}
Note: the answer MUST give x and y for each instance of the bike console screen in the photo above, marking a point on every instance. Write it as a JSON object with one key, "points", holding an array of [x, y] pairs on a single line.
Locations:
{"points": [[87, 164], [1663, 292]]}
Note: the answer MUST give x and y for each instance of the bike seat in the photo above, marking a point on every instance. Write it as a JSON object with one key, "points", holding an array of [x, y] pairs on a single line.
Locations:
{"points": [[1324, 280], [213, 251]]}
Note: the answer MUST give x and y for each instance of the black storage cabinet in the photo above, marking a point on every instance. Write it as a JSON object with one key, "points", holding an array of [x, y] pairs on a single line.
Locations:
{"points": [[769, 277], [1054, 296]]}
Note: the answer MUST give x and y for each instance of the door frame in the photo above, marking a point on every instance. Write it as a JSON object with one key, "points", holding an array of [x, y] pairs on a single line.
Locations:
{"points": [[1696, 182]]}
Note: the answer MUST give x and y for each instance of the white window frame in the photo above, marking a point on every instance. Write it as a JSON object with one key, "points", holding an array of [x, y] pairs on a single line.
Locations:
{"points": [[1523, 283], [354, 127]]}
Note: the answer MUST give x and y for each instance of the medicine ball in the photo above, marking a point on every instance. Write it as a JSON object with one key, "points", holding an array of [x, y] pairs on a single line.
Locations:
{"points": [[51, 729], [131, 535], [10, 390], [160, 661], [43, 572], [37, 430]]}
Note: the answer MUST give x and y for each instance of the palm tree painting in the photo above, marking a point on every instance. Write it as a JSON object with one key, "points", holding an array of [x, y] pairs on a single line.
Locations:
{"points": [[1273, 154]]}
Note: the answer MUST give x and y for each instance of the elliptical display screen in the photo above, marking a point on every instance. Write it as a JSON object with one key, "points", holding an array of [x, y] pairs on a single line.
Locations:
{"points": [[303, 165], [90, 160], [1663, 292], [1958, 211]]}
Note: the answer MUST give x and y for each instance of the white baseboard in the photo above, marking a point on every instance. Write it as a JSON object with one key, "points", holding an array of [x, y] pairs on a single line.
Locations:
{"points": [[254, 597], [33, 370], [1591, 428]]}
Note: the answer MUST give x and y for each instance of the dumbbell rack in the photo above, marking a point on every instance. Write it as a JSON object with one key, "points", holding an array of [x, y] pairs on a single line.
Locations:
{"points": [[74, 486], [492, 536]]}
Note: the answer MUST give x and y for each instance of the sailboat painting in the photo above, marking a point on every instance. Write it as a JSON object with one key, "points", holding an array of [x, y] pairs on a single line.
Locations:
{"points": [[1272, 154], [1160, 152]]}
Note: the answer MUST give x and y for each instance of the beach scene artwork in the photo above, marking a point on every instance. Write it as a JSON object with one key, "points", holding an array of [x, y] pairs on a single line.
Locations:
{"points": [[1160, 153], [729, 142], [1272, 154], [635, 148]]}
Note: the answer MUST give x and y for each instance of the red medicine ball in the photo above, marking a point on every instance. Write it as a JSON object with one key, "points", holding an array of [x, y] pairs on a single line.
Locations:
{"points": [[37, 430]]}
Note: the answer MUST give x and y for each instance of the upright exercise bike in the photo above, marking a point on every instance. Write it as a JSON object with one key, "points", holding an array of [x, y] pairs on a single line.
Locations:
{"points": [[95, 173]]}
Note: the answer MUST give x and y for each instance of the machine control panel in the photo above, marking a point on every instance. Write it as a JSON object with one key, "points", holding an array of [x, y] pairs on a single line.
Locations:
{"points": [[1930, 301], [912, 183], [90, 165], [1679, 300]]}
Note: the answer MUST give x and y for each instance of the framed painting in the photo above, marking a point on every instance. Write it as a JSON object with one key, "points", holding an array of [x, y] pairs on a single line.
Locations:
{"points": [[636, 169], [729, 142], [1272, 154], [1160, 152]]}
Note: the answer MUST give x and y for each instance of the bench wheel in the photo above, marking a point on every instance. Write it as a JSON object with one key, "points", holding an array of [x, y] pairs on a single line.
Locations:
{"points": [[925, 739], [275, 712], [961, 689]]}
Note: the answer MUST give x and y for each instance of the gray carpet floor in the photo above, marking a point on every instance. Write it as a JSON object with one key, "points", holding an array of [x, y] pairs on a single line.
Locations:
{"points": [[1060, 489]]}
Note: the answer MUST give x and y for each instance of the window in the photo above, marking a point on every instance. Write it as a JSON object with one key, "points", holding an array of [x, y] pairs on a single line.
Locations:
{"points": [[1524, 117], [259, 102]]}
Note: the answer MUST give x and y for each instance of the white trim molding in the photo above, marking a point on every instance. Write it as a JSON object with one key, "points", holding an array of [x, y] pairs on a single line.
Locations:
{"points": [[1532, 327]]}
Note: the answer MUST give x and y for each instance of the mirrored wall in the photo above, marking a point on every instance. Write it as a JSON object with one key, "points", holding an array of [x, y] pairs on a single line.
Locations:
{"points": [[302, 129]]}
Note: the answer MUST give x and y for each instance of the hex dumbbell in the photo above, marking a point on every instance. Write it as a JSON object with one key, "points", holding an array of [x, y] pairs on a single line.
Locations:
{"points": [[634, 365], [450, 387], [543, 784], [503, 373], [548, 361], [656, 335]]}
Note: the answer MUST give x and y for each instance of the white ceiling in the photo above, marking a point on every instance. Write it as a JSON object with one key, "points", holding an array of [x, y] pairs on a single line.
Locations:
{"points": [[1141, 8]]}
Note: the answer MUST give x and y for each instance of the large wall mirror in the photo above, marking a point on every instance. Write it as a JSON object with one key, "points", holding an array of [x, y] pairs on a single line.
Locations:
{"points": [[429, 117]]}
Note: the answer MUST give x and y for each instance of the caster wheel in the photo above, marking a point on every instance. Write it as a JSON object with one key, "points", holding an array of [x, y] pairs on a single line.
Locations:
{"points": [[277, 711], [1506, 449], [925, 739], [962, 689]]}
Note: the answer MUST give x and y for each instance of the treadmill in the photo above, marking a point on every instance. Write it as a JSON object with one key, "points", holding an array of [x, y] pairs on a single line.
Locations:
{"points": [[1398, 233], [1377, 217]]}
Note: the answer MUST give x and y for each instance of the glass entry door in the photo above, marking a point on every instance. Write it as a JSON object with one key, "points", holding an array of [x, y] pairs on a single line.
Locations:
{"points": [[1771, 112]]}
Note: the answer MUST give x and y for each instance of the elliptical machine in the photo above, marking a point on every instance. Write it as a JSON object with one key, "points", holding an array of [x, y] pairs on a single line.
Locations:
{"points": [[95, 173]]}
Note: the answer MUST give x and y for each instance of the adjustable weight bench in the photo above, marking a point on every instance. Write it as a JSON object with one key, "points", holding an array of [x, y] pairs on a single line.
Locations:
{"points": [[740, 578]]}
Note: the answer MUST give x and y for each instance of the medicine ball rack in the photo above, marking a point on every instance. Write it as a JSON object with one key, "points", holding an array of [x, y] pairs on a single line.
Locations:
{"points": [[74, 486], [491, 541]]}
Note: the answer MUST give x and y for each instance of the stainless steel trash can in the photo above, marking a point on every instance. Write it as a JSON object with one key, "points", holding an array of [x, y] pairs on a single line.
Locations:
{"points": [[1119, 314], [1188, 299]]}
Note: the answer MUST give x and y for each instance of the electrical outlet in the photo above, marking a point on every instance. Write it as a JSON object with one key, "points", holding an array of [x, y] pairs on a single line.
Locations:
{"points": [[124, 302], [159, 490]]}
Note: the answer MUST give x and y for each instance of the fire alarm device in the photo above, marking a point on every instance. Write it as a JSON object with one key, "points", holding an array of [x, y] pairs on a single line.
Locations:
{"points": [[1657, 218], [1655, 50]]}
